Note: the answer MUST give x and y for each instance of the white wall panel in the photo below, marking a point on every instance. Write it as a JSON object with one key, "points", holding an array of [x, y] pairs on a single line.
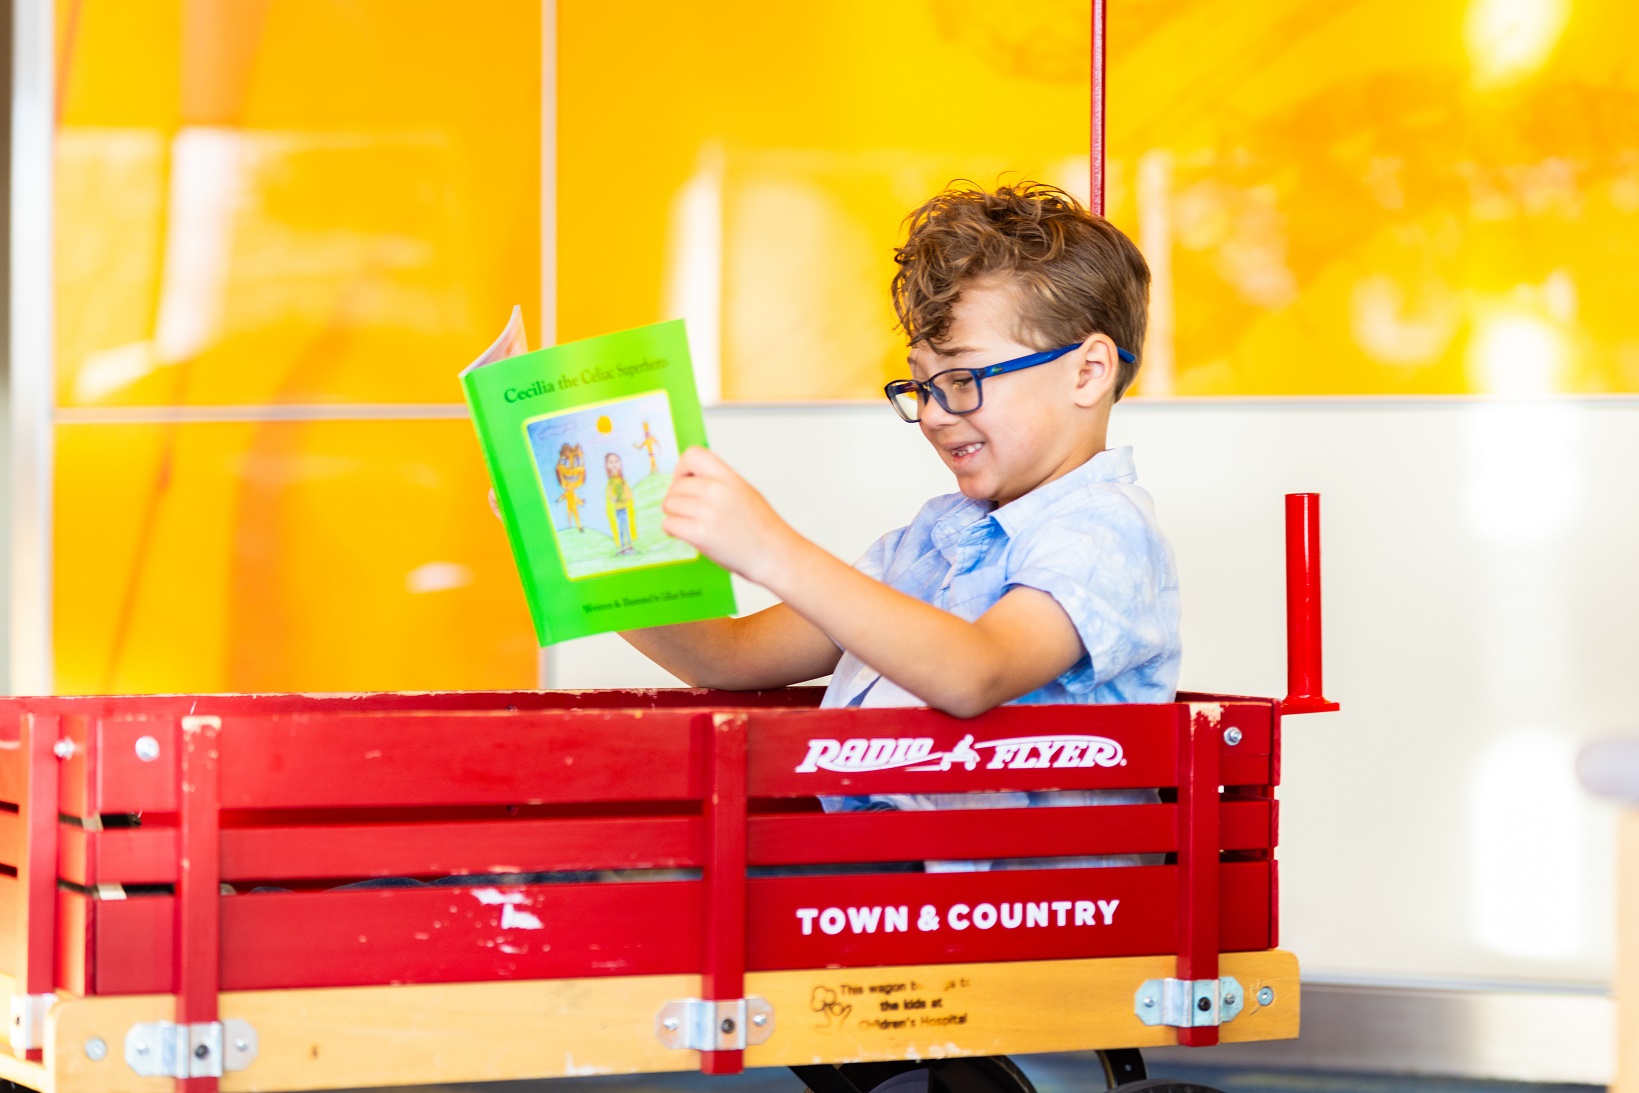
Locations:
{"points": [[1481, 585]]}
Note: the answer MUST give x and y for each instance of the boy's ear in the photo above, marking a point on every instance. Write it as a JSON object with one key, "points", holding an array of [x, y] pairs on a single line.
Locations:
{"points": [[1098, 368]]}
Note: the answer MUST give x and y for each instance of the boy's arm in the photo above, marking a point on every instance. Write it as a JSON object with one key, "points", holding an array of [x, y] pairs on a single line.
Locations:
{"points": [[775, 647], [964, 668]]}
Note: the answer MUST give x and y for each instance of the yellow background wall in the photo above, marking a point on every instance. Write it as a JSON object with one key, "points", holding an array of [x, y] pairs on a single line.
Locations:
{"points": [[275, 219], [279, 219]]}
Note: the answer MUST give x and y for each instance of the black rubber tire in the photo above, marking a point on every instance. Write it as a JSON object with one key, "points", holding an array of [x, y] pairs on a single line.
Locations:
{"points": [[976, 1074], [1164, 1085]]}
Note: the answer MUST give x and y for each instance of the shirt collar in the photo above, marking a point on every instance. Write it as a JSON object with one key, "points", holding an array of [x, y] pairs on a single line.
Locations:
{"points": [[1110, 465]]}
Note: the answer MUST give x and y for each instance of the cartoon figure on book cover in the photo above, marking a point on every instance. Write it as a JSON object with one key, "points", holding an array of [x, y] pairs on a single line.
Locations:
{"points": [[649, 444], [571, 471], [579, 454], [619, 500]]}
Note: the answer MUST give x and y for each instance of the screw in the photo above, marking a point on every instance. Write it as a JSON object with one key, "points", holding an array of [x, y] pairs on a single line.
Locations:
{"points": [[1266, 995], [96, 1049], [1232, 736], [1149, 1002], [1204, 1005], [142, 1047], [669, 1024], [147, 749], [727, 1026], [201, 1051], [241, 1045], [1229, 999], [63, 748], [760, 1020]]}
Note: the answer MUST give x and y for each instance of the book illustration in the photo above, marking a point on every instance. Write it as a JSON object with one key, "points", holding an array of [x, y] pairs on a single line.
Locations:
{"points": [[597, 453]]}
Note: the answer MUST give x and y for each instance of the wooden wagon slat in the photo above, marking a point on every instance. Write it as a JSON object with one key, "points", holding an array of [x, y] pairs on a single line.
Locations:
{"points": [[438, 934]]}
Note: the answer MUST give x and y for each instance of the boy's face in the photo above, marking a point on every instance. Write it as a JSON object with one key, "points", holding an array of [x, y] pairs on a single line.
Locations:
{"points": [[1035, 424]]}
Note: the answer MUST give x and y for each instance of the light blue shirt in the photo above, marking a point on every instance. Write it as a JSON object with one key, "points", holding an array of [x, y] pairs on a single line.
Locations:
{"points": [[1088, 539]]}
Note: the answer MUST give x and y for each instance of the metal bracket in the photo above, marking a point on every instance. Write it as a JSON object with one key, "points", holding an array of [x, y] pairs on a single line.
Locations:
{"points": [[165, 1049], [1189, 1003], [715, 1026], [28, 1021]]}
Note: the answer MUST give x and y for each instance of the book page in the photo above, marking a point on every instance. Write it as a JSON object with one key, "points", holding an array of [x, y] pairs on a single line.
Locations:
{"points": [[512, 342]]}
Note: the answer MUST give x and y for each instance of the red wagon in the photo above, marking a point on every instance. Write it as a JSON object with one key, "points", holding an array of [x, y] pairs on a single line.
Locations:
{"points": [[586, 884]]}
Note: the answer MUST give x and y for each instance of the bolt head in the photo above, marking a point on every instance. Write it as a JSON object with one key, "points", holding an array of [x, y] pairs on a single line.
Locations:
{"points": [[1204, 1005], [1149, 1002], [669, 1024], [1229, 999], [241, 1045], [1232, 736], [201, 1051], [727, 1026], [96, 1049], [760, 1019], [147, 749], [142, 1047], [63, 749], [1266, 996]]}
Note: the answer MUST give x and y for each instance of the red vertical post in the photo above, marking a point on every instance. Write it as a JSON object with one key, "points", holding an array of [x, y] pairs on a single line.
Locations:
{"points": [[724, 977], [1198, 871], [1096, 182], [198, 895], [1304, 690], [37, 875]]}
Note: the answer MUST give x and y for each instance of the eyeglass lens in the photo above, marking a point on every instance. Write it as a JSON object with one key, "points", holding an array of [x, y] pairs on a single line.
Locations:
{"points": [[958, 393]]}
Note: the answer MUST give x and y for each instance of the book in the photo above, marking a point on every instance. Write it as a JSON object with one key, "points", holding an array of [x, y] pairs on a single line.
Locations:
{"points": [[581, 441]]}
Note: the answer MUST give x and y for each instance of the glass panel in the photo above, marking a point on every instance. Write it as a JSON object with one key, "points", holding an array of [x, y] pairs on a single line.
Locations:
{"points": [[283, 201], [333, 556], [1400, 197], [747, 166], [1396, 197]]}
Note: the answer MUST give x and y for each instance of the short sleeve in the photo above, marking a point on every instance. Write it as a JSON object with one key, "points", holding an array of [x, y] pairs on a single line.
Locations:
{"points": [[1109, 568]]}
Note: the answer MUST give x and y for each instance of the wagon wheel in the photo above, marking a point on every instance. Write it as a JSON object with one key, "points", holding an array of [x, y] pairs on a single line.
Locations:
{"points": [[1123, 1069]]}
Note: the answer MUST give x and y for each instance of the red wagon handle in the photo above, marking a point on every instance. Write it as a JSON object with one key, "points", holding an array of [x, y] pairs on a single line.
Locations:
{"points": [[1304, 690]]}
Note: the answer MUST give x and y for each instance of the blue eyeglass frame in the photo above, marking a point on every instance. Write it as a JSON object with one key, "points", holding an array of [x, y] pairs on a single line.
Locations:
{"points": [[923, 387]]}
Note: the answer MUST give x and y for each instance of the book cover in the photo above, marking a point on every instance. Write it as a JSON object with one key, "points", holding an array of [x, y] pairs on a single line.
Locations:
{"points": [[581, 441]]}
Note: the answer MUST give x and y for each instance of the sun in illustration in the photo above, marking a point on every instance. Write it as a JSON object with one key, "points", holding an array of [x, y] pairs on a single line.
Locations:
{"points": [[605, 426]]}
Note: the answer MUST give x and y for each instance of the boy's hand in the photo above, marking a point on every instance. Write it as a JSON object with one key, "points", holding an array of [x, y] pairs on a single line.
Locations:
{"points": [[718, 513]]}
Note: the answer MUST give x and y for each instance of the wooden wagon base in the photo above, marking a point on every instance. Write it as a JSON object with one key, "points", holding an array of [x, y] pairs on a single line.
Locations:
{"points": [[346, 1037]]}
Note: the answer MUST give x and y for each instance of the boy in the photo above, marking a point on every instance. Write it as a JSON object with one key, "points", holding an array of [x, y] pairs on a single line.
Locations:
{"points": [[1046, 578]]}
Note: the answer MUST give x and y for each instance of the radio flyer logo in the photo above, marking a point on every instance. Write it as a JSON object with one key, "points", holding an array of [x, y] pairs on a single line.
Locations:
{"points": [[858, 755]]}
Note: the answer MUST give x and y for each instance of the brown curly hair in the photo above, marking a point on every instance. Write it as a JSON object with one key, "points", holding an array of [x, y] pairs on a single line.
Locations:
{"points": [[1074, 274]]}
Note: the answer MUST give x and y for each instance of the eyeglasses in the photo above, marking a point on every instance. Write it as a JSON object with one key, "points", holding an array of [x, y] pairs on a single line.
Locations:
{"points": [[960, 390]]}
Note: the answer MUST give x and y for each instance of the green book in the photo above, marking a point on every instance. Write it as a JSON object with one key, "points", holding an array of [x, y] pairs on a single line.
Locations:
{"points": [[581, 441]]}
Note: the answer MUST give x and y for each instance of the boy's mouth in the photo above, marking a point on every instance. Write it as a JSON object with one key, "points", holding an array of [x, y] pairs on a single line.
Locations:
{"points": [[966, 451]]}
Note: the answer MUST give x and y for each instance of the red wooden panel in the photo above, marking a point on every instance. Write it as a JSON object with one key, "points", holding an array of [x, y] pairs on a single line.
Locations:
{"points": [[335, 761], [1199, 904], [439, 935], [131, 948], [37, 869], [723, 967], [74, 940], [124, 855], [798, 753], [121, 780], [175, 707], [425, 935], [1137, 916], [999, 833], [422, 849]]}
